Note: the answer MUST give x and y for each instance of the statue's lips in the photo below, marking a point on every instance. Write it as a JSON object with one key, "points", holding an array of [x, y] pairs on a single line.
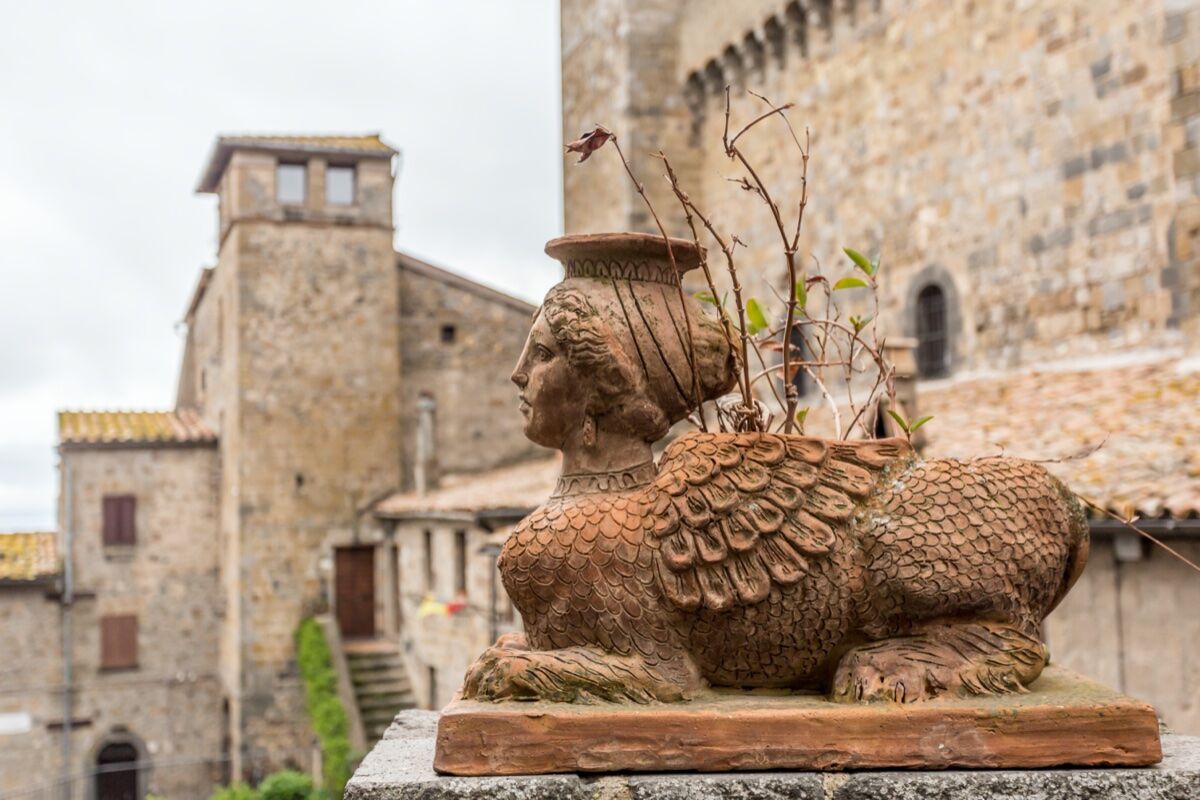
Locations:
{"points": [[523, 406]]}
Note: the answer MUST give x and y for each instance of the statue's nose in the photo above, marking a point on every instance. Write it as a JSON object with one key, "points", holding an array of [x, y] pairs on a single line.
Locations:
{"points": [[519, 378]]}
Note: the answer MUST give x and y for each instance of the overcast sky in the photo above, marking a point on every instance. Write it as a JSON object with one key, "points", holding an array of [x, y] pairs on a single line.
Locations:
{"points": [[108, 110]]}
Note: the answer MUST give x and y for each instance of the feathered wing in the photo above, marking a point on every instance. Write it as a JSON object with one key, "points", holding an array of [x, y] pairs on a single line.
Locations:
{"points": [[734, 514]]}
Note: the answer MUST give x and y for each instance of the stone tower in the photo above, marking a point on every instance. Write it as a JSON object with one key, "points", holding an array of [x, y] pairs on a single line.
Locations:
{"points": [[293, 358]]}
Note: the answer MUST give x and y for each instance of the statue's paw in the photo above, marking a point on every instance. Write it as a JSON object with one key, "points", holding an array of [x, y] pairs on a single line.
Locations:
{"points": [[866, 676]]}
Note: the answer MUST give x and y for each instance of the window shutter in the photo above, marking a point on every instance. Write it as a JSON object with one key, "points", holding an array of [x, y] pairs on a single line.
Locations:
{"points": [[111, 521], [120, 515], [118, 641]]}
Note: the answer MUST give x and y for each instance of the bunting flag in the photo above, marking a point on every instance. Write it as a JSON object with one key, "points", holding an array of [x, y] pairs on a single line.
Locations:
{"points": [[432, 607]]}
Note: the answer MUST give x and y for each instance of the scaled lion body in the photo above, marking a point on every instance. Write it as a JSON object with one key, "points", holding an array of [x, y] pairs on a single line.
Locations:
{"points": [[766, 560]]}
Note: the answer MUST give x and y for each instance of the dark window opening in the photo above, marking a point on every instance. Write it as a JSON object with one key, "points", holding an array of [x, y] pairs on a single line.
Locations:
{"points": [[460, 562], [117, 772], [118, 642], [433, 688], [120, 515], [429, 572], [932, 350], [449, 334]]}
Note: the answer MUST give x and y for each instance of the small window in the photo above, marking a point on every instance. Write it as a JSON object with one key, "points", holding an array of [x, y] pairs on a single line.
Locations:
{"points": [[429, 573], [339, 186], [449, 334], [433, 687], [118, 642], [120, 515], [932, 351], [460, 562], [290, 184]]}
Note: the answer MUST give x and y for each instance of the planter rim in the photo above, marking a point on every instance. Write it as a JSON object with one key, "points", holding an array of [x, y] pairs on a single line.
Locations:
{"points": [[618, 246]]}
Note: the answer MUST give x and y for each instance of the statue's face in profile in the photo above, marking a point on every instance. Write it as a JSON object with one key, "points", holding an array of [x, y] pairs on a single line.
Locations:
{"points": [[552, 396]]}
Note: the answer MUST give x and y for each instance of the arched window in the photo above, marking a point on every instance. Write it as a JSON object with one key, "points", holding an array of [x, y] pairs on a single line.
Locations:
{"points": [[932, 340], [117, 772]]}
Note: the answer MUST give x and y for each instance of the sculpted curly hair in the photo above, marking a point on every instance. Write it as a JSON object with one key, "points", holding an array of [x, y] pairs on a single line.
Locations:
{"points": [[600, 353]]}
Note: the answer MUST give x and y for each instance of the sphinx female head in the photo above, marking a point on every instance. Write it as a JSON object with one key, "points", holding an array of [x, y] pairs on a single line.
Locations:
{"points": [[609, 355]]}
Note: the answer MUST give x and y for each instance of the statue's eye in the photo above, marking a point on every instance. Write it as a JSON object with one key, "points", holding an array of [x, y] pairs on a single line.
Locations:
{"points": [[544, 353]]}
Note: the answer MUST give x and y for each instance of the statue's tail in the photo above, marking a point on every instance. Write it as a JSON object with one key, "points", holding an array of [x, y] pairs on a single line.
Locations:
{"points": [[1078, 532]]}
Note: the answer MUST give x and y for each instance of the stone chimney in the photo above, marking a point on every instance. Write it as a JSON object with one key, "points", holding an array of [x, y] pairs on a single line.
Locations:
{"points": [[425, 472]]}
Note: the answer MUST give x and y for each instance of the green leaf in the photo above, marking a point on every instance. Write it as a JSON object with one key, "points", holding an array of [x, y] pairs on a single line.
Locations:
{"points": [[705, 297], [899, 420], [860, 261], [801, 293], [859, 323], [801, 415], [849, 283], [919, 423], [875, 266], [754, 312]]}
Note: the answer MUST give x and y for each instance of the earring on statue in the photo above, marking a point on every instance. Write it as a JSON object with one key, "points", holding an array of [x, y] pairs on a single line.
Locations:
{"points": [[589, 431]]}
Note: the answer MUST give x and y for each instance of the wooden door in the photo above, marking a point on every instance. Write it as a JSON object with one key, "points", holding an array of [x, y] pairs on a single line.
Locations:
{"points": [[116, 773], [354, 578]]}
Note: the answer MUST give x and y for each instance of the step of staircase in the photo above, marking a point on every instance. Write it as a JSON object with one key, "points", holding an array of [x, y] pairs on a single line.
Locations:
{"points": [[381, 687]]}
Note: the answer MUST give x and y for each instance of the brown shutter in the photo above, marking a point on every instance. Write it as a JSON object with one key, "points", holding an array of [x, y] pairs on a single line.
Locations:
{"points": [[120, 514], [128, 518], [111, 522], [118, 641]]}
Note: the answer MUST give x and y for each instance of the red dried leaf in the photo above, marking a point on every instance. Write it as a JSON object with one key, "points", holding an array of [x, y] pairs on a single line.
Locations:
{"points": [[589, 143]]}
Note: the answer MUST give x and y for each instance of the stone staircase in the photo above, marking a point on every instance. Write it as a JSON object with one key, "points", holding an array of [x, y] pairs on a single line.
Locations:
{"points": [[381, 686]]}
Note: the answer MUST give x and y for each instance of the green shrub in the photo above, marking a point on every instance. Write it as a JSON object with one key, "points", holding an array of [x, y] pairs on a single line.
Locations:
{"points": [[287, 785], [238, 791], [325, 709]]}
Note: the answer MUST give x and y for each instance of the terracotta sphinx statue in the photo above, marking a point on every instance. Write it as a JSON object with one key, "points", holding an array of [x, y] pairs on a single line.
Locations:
{"points": [[856, 568]]}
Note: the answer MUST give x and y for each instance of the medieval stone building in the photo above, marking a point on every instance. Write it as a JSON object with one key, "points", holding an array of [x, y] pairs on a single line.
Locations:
{"points": [[322, 371], [1029, 173]]}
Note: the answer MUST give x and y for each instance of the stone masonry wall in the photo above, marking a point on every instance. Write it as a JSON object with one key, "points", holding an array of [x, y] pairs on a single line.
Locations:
{"points": [[30, 683], [477, 423], [317, 441], [1029, 154], [169, 580], [446, 645]]}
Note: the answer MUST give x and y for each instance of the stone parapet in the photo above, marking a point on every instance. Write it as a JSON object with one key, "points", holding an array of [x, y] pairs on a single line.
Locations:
{"points": [[401, 766]]}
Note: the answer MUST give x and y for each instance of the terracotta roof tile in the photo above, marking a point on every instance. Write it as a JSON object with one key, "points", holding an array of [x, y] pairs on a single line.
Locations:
{"points": [[525, 485], [28, 557], [1147, 415], [131, 428]]}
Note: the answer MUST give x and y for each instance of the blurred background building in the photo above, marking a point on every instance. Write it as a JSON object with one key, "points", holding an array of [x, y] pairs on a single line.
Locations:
{"points": [[345, 442]]}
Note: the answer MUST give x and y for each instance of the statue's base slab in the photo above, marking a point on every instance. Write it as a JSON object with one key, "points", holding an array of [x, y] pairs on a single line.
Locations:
{"points": [[1064, 720]]}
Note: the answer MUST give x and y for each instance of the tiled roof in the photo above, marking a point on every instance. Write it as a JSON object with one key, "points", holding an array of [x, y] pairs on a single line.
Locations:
{"points": [[132, 428], [28, 557], [369, 145], [520, 486], [1149, 464]]}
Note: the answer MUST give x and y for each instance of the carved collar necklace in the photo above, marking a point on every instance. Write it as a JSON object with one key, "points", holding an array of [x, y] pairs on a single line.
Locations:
{"points": [[612, 481]]}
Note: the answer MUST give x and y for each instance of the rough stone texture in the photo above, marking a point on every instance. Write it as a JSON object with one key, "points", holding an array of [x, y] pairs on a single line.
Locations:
{"points": [[477, 426], [400, 767], [169, 580], [1044, 155]]}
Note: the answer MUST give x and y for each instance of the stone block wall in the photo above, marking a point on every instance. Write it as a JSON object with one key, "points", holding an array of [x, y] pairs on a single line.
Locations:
{"points": [[1030, 154], [169, 580], [30, 684], [446, 645], [317, 440], [459, 342]]}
